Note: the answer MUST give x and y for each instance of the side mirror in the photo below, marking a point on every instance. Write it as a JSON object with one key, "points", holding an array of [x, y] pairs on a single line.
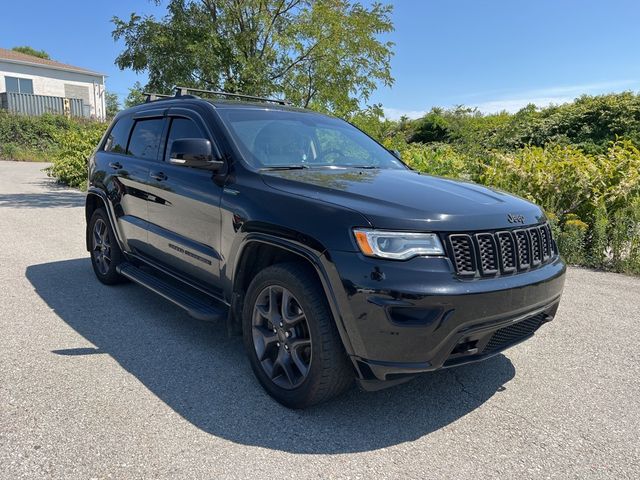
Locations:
{"points": [[396, 153], [194, 152]]}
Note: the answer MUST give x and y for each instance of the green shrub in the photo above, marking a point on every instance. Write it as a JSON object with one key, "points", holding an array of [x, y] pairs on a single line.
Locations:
{"points": [[590, 123], [625, 238], [73, 148], [561, 179], [8, 150], [598, 241], [571, 240], [438, 159]]}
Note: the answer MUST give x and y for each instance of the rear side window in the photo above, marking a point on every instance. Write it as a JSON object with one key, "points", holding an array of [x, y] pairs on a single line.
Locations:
{"points": [[119, 136], [145, 138]]}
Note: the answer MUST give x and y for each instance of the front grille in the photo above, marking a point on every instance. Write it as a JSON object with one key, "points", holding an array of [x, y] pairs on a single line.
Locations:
{"points": [[463, 257], [508, 251], [507, 336], [488, 253]]}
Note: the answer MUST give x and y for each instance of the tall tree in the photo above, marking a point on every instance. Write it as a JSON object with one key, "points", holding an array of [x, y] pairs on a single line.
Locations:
{"points": [[323, 54], [135, 96], [32, 51], [112, 104]]}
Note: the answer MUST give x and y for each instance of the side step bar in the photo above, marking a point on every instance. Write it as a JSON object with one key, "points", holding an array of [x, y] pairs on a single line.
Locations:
{"points": [[196, 306]]}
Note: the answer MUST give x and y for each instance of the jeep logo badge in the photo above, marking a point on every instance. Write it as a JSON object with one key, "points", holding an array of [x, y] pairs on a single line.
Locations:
{"points": [[513, 218]]}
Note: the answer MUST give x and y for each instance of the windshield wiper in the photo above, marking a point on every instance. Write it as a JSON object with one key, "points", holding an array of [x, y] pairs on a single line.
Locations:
{"points": [[285, 167]]}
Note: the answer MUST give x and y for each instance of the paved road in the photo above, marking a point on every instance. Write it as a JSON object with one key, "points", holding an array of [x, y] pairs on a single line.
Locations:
{"points": [[114, 382]]}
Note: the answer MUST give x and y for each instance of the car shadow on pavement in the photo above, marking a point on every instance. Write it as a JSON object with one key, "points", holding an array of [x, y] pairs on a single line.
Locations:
{"points": [[203, 375], [42, 200]]}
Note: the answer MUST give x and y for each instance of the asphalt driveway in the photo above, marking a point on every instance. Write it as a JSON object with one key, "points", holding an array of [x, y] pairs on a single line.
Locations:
{"points": [[115, 382]]}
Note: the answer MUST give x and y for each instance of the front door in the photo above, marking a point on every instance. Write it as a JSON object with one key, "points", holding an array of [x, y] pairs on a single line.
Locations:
{"points": [[184, 209]]}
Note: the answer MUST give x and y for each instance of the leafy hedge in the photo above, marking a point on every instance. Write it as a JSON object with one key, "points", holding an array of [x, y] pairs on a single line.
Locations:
{"points": [[73, 148], [66, 142], [590, 123]]}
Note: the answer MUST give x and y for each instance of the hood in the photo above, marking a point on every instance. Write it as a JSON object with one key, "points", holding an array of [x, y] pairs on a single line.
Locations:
{"points": [[408, 200]]}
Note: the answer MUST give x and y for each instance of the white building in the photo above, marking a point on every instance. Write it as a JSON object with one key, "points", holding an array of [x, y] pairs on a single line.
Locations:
{"points": [[27, 74]]}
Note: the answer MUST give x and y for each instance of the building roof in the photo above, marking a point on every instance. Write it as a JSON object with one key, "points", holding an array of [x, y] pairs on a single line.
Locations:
{"points": [[23, 58]]}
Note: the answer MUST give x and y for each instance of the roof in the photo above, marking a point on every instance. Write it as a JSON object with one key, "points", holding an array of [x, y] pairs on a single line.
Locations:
{"points": [[23, 58], [218, 104]]}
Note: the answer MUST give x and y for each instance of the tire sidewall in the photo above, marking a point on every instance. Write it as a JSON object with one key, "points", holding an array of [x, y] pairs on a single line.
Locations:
{"points": [[299, 395], [112, 276]]}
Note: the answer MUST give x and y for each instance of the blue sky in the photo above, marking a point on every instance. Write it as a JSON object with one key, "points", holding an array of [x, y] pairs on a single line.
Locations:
{"points": [[491, 54]]}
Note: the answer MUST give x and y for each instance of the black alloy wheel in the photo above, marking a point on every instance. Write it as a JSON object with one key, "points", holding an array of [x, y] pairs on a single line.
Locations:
{"points": [[281, 337], [291, 338], [105, 252], [101, 246]]}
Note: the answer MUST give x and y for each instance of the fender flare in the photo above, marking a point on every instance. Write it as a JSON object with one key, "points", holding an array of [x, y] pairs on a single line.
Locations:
{"points": [[318, 261], [102, 196]]}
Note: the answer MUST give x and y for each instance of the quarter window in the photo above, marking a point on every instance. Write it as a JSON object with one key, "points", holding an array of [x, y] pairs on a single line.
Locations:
{"points": [[145, 138], [19, 85], [119, 136]]}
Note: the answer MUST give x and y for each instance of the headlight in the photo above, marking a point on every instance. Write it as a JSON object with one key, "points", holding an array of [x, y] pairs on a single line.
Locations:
{"points": [[397, 245]]}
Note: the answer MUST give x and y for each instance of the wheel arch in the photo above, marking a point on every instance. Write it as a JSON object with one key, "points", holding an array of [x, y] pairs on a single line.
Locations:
{"points": [[269, 250], [98, 199]]}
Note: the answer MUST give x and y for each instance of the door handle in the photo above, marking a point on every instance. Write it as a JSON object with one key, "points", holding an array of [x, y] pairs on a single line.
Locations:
{"points": [[159, 176], [115, 165]]}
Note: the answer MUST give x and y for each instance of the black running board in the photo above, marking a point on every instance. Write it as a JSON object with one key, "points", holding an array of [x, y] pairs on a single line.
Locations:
{"points": [[196, 306]]}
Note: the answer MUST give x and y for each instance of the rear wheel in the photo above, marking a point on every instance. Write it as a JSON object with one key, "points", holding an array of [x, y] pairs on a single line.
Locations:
{"points": [[293, 345], [105, 252]]}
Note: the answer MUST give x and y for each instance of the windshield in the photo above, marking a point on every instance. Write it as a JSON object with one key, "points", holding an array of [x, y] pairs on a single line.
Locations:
{"points": [[285, 139]]}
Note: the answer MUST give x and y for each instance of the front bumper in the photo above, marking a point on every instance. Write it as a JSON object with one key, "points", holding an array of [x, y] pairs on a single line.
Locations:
{"points": [[404, 318]]}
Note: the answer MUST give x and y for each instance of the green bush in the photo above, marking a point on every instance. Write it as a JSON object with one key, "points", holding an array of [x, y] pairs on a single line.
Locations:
{"points": [[598, 242], [590, 123], [571, 241], [73, 148], [32, 138], [625, 238], [438, 159]]}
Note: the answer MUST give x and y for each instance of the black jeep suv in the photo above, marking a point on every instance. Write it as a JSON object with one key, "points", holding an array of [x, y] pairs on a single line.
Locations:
{"points": [[331, 258]]}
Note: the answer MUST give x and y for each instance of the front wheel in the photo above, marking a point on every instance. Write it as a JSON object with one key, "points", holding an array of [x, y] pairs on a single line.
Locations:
{"points": [[293, 345]]}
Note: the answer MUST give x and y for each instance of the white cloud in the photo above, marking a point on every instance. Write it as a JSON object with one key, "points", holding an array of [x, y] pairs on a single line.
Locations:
{"points": [[512, 105], [396, 113], [512, 101], [552, 95]]}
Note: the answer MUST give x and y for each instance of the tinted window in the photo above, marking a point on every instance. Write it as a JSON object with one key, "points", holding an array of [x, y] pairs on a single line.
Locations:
{"points": [[20, 85], [119, 136], [182, 128], [145, 138], [276, 138]]}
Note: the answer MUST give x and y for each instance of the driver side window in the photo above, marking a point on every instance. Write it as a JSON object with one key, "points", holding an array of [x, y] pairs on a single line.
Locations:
{"points": [[182, 128]]}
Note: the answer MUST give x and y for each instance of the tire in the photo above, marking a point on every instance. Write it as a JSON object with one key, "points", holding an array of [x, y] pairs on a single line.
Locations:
{"points": [[328, 369], [105, 252]]}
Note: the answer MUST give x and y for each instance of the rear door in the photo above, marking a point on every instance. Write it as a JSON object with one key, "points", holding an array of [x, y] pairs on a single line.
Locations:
{"points": [[184, 208], [142, 151], [126, 176]]}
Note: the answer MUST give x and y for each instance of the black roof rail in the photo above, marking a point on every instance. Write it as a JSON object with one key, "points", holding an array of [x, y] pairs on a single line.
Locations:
{"points": [[184, 91], [152, 97]]}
